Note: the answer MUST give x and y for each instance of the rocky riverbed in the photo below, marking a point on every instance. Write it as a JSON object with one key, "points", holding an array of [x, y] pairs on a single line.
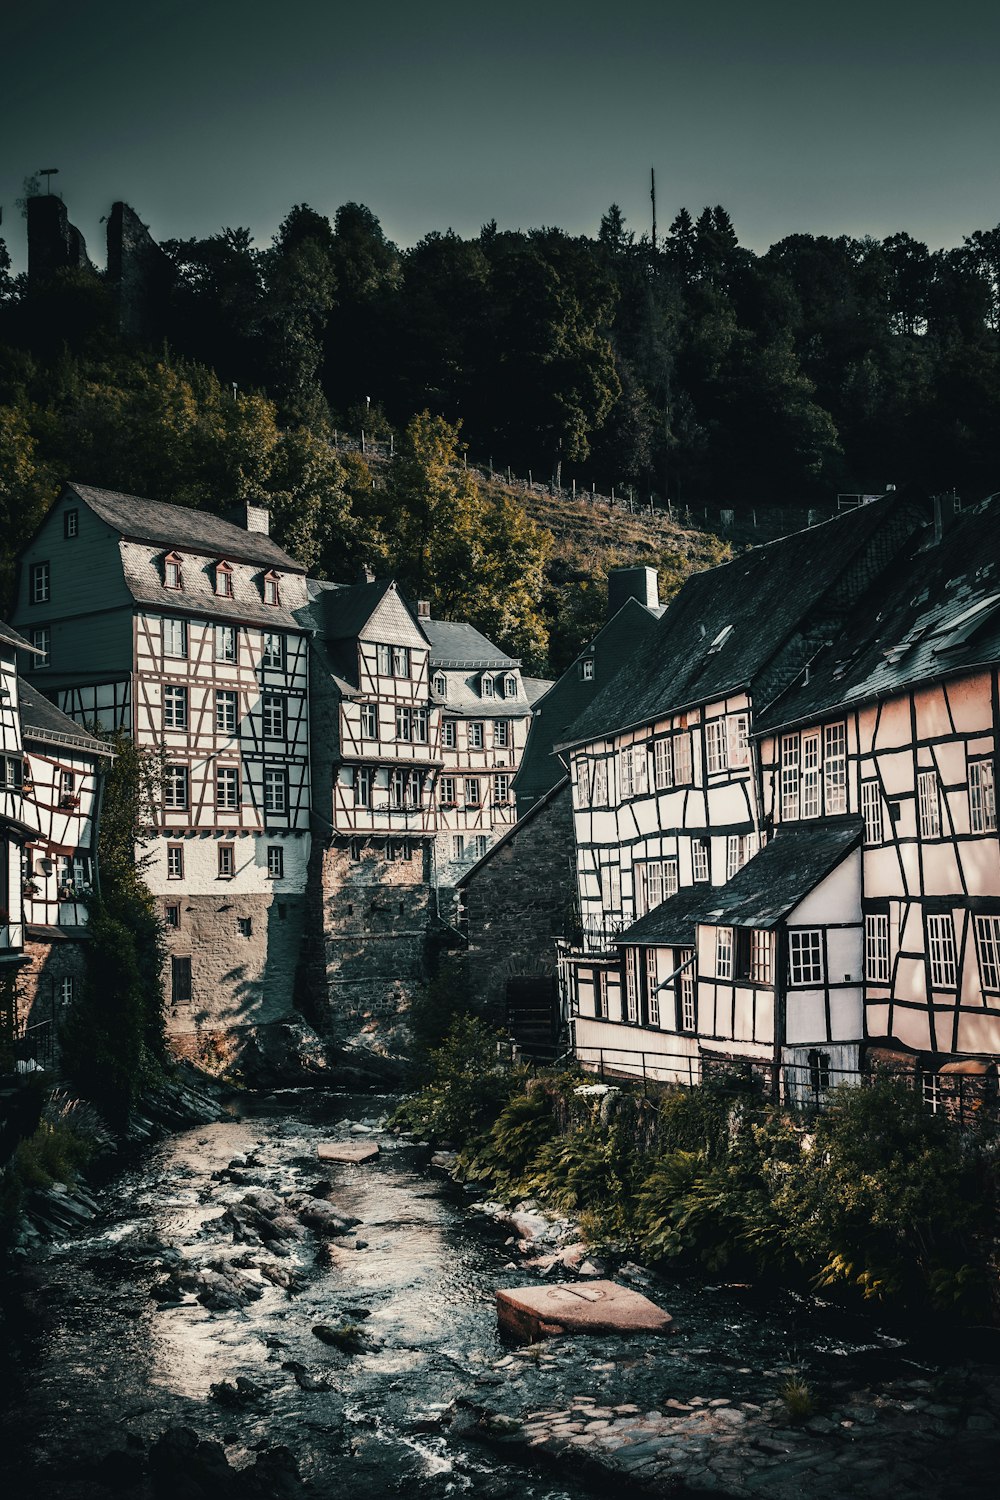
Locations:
{"points": [[239, 1318]]}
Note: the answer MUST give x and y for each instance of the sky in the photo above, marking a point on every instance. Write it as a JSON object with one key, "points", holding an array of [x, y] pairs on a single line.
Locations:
{"points": [[858, 117]]}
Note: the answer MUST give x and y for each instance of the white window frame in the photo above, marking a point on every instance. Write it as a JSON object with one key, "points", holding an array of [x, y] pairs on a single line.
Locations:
{"points": [[683, 758], [41, 583], [626, 772], [811, 795], [687, 1018], [457, 847], [599, 796], [510, 686], [652, 990], [364, 778], [369, 721], [441, 685], [790, 775], [449, 733], [929, 804], [738, 739], [724, 953], [275, 862], [274, 649], [272, 716], [400, 661], [421, 719], [226, 711], [447, 794], [988, 950], [587, 669], [225, 643], [877, 957], [631, 986], [383, 660], [501, 734], [873, 813], [663, 764], [477, 734], [942, 954], [175, 706], [700, 860], [806, 969], [982, 797], [226, 861], [227, 788], [175, 638], [175, 861], [501, 788], [41, 639], [716, 747], [760, 956], [176, 788], [835, 768], [275, 790], [487, 687], [472, 791]]}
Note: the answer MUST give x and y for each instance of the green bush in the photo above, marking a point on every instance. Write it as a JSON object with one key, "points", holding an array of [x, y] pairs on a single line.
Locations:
{"points": [[470, 1082]]}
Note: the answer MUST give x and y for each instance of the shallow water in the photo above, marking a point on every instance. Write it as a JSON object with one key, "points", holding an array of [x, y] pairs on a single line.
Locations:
{"points": [[95, 1359]]}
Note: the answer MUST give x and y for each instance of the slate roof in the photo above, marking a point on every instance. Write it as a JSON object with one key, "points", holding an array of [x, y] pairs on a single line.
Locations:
{"points": [[936, 613], [41, 720], [535, 688], [346, 608], [10, 637], [567, 698], [454, 644], [767, 888], [163, 525], [763, 595]]}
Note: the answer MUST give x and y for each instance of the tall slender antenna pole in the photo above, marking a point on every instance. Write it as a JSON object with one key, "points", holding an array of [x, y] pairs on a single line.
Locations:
{"points": [[652, 194]]}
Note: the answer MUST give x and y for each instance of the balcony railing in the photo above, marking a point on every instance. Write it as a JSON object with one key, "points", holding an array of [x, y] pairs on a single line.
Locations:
{"points": [[601, 933]]}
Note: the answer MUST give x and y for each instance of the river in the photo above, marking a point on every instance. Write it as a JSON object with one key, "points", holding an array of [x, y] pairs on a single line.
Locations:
{"points": [[97, 1364]]}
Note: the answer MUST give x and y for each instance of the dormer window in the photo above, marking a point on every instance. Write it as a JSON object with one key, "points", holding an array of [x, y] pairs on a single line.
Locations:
{"points": [[173, 577], [272, 593], [720, 640], [441, 685], [510, 686], [223, 579], [486, 687], [587, 669]]}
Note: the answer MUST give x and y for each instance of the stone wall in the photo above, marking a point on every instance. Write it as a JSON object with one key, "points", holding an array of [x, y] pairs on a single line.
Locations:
{"points": [[139, 272], [42, 997], [519, 901], [54, 244]]}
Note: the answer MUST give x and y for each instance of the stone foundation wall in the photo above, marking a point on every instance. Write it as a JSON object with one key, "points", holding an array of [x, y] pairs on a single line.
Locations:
{"points": [[519, 902], [42, 996], [236, 980]]}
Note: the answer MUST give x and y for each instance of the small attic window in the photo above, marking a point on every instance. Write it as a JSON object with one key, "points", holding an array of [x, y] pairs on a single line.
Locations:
{"points": [[510, 686], [487, 687], [587, 669], [441, 685], [272, 593], [223, 579], [720, 639], [71, 524], [173, 577]]}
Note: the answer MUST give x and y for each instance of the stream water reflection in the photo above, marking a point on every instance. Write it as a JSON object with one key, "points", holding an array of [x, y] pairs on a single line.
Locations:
{"points": [[100, 1360]]}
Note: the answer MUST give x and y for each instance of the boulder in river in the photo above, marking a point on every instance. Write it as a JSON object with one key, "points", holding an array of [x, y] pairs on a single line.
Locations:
{"points": [[348, 1151], [534, 1312]]}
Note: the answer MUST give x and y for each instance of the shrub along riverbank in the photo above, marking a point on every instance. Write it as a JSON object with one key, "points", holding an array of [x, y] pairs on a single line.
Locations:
{"points": [[874, 1194]]}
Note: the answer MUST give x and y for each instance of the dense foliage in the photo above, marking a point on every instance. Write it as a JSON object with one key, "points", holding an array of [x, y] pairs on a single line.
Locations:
{"points": [[874, 1194]]}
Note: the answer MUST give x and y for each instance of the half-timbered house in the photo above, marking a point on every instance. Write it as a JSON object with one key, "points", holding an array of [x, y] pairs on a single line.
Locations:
{"points": [[14, 833], [665, 783], [180, 629], [897, 724]]}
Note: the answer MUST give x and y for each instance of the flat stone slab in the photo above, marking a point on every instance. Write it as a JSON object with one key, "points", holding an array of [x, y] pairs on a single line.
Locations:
{"points": [[531, 1313], [347, 1151]]}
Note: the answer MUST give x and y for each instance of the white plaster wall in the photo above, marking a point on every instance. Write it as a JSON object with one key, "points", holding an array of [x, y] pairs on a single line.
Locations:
{"points": [[201, 865]]}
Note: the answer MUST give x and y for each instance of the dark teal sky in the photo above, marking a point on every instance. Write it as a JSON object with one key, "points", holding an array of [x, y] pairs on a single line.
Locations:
{"points": [[847, 118]]}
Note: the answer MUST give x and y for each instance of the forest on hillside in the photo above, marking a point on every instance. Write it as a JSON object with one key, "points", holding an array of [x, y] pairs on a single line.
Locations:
{"points": [[692, 369]]}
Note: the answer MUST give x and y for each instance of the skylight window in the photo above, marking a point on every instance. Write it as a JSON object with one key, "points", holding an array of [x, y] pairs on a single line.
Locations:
{"points": [[956, 632], [720, 639]]}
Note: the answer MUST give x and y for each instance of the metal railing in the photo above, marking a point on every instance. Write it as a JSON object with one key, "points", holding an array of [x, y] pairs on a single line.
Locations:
{"points": [[36, 1045]]}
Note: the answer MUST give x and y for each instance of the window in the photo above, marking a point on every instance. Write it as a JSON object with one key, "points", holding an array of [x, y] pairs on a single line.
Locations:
{"points": [[475, 735], [670, 879], [227, 861], [41, 639], [71, 524], [404, 723], [982, 796], [275, 862], [369, 721], [398, 849], [355, 853], [720, 640], [275, 790], [652, 993], [819, 1070], [273, 715], [871, 811], [930, 1088], [501, 790], [760, 956], [738, 739], [227, 788], [835, 768], [877, 947], [501, 734], [383, 660], [941, 950], [413, 790], [175, 861], [172, 916], [715, 746], [587, 669], [448, 736], [480, 844], [929, 804], [626, 767], [225, 711], [723, 953], [699, 860], [600, 992], [175, 638], [473, 792], [458, 846], [683, 764], [805, 956], [274, 649], [272, 593], [632, 985], [600, 793], [38, 583], [686, 1018], [988, 945], [420, 720], [811, 802], [487, 688], [175, 707], [244, 926], [180, 981], [441, 685], [400, 661], [510, 686], [663, 764], [175, 787], [397, 789], [362, 786], [789, 777], [446, 791], [225, 643], [173, 576], [223, 580]]}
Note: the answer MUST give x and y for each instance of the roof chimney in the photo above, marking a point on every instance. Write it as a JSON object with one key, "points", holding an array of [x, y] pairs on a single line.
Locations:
{"points": [[632, 583], [946, 507], [254, 518], [423, 609], [365, 574]]}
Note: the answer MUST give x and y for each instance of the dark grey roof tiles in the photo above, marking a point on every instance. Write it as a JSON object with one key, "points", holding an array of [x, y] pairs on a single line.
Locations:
{"points": [[728, 622], [454, 644], [163, 525], [41, 720], [672, 923], [10, 637]]}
